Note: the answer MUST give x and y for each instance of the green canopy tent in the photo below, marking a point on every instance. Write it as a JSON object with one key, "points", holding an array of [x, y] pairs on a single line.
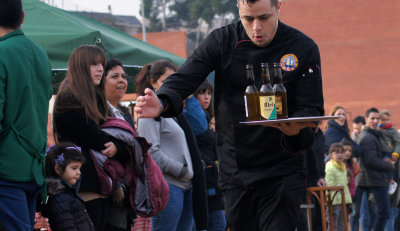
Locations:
{"points": [[59, 32]]}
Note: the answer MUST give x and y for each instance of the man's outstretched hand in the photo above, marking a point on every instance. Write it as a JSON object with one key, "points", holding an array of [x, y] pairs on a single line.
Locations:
{"points": [[148, 106], [291, 128]]}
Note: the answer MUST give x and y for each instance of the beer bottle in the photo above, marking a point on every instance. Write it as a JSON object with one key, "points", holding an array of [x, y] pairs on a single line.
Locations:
{"points": [[251, 101], [280, 94], [267, 95]]}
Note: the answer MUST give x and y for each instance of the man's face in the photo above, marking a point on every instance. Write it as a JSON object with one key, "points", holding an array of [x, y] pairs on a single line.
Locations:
{"points": [[357, 128], [372, 120], [260, 20]]}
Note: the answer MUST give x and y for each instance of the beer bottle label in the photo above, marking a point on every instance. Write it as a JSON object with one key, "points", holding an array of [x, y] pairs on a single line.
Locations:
{"points": [[267, 107], [278, 104], [245, 106]]}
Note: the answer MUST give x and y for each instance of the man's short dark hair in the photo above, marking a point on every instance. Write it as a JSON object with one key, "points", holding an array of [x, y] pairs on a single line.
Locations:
{"points": [[369, 111], [10, 13], [359, 119], [273, 2]]}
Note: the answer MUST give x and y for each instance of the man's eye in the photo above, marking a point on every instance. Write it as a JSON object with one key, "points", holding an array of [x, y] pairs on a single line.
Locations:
{"points": [[248, 19]]}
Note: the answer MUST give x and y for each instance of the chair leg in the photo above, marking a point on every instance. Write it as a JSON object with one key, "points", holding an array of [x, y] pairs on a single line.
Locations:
{"points": [[346, 225], [323, 212], [330, 211], [309, 215]]}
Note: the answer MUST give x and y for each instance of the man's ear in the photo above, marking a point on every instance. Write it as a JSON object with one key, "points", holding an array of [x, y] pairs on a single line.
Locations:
{"points": [[278, 6], [23, 17]]}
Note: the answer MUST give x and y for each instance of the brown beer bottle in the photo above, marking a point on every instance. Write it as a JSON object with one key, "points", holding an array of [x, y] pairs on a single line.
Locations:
{"points": [[251, 101], [266, 95], [280, 94]]}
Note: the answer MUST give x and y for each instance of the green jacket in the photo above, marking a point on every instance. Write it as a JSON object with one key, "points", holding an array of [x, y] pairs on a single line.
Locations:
{"points": [[25, 90], [335, 177]]}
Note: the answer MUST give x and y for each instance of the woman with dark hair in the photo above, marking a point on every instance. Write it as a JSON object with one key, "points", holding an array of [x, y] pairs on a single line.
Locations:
{"points": [[175, 151], [80, 108], [207, 142], [115, 88], [121, 216], [204, 95]]}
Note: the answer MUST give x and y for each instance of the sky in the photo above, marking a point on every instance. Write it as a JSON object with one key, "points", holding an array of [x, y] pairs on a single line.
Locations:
{"points": [[119, 7]]}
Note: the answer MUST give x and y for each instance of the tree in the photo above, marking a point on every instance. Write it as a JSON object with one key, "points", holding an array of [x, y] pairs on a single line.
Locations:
{"points": [[177, 14], [156, 13]]}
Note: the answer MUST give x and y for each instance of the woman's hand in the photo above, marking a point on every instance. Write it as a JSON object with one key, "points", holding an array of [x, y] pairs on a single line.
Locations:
{"points": [[110, 150], [148, 105], [118, 195]]}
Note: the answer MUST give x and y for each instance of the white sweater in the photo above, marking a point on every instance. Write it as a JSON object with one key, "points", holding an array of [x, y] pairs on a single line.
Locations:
{"points": [[169, 149]]}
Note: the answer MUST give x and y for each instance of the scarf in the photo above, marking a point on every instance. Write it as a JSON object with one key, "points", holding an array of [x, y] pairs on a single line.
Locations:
{"points": [[339, 165], [386, 126]]}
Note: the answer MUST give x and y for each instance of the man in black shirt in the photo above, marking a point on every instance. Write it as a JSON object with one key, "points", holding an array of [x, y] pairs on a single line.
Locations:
{"points": [[262, 169]]}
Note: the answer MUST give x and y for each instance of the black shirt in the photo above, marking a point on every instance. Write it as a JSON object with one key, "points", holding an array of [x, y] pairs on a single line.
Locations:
{"points": [[252, 153]]}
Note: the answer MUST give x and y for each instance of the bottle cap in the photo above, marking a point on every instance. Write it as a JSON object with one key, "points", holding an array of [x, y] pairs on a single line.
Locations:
{"points": [[249, 66]]}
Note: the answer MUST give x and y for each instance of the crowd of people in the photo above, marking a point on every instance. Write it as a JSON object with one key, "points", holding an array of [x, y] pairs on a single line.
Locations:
{"points": [[217, 172], [364, 162]]}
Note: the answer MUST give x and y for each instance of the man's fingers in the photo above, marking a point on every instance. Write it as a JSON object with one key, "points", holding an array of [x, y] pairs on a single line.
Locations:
{"points": [[148, 92]]}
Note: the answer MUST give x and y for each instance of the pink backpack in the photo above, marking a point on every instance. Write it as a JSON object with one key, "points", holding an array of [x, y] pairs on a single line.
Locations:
{"points": [[149, 192]]}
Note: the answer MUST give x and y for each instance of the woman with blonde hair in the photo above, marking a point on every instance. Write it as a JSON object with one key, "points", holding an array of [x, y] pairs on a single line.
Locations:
{"points": [[338, 130], [80, 108]]}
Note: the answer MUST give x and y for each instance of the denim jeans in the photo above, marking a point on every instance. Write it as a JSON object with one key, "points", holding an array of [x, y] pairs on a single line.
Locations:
{"points": [[393, 214], [178, 215], [382, 204], [355, 215], [18, 204], [367, 214], [216, 220]]}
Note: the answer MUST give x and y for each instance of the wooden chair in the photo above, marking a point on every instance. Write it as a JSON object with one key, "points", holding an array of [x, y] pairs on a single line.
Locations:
{"points": [[323, 196]]}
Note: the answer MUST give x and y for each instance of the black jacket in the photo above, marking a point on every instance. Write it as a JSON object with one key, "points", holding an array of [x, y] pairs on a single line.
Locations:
{"points": [[315, 160], [373, 169], [65, 208], [251, 153], [199, 196], [73, 126], [336, 133], [208, 147]]}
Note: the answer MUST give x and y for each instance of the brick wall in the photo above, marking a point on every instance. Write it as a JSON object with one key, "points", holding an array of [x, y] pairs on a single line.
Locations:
{"points": [[172, 41], [359, 43]]}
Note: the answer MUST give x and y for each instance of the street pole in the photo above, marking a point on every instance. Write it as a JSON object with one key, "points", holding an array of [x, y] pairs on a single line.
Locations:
{"points": [[143, 22]]}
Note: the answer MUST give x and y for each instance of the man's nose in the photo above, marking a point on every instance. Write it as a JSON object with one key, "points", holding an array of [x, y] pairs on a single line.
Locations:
{"points": [[256, 25]]}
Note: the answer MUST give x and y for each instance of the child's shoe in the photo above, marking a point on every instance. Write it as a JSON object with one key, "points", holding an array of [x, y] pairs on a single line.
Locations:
{"points": [[392, 187]]}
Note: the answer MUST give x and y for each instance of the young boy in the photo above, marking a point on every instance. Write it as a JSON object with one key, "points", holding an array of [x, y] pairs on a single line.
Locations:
{"points": [[390, 143]]}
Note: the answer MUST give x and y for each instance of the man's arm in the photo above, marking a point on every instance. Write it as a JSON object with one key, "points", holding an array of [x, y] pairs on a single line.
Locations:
{"points": [[306, 100], [190, 75], [181, 84], [308, 94], [372, 156]]}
